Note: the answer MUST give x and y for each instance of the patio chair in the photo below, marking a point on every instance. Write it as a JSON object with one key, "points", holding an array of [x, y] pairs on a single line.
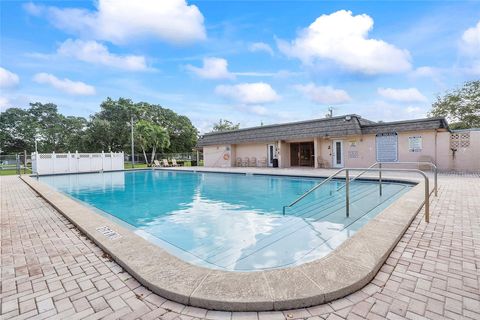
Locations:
{"points": [[262, 162], [245, 162], [252, 162], [238, 162], [322, 163], [174, 163], [165, 163], [156, 163]]}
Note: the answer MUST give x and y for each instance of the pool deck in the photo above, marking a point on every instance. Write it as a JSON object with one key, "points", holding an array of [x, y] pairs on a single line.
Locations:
{"points": [[49, 268]]}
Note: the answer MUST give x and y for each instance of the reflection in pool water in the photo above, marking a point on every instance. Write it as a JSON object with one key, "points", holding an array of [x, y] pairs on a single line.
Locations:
{"points": [[231, 221]]}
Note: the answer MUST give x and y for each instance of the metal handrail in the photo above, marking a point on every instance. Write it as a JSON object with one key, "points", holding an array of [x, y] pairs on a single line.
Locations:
{"points": [[358, 175], [347, 187], [435, 170]]}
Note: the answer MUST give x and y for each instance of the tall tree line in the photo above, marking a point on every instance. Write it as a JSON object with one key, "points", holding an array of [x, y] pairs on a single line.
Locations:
{"points": [[107, 130]]}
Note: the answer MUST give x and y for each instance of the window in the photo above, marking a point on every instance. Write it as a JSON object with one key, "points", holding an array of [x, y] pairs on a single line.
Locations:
{"points": [[387, 147]]}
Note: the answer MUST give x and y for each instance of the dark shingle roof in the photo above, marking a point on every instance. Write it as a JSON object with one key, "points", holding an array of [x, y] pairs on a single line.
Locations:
{"points": [[336, 126], [333, 127], [406, 125]]}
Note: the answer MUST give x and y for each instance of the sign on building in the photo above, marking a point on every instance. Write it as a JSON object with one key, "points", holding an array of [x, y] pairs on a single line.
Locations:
{"points": [[415, 144], [387, 147]]}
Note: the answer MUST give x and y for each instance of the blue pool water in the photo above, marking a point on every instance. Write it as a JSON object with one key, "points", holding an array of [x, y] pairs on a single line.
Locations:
{"points": [[231, 221]]}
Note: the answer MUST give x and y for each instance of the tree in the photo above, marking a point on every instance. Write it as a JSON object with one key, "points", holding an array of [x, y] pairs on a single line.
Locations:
{"points": [[100, 136], [152, 137], [109, 127], [53, 131], [225, 125], [182, 134], [160, 140], [17, 130], [461, 106], [107, 130]]}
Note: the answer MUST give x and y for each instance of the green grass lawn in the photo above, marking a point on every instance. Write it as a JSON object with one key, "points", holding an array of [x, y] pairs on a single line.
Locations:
{"points": [[128, 165], [11, 172]]}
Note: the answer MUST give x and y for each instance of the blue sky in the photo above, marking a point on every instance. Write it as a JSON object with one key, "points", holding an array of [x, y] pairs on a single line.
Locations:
{"points": [[246, 61]]}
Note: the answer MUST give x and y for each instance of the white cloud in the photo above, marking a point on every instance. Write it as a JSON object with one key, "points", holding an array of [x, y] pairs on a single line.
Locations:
{"points": [[33, 9], [8, 79], [413, 110], [343, 38], [425, 71], [324, 94], [248, 93], [403, 95], [470, 46], [4, 103], [470, 42], [94, 52], [65, 85], [213, 68], [120, 21], [259, 47]]}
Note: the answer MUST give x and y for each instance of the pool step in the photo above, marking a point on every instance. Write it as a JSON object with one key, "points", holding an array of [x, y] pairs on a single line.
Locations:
{"points": [[363, 200], [327, 238]]}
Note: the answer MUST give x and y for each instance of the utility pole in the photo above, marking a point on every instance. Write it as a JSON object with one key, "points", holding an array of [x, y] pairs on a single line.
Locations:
{"points": [[133, 146]]}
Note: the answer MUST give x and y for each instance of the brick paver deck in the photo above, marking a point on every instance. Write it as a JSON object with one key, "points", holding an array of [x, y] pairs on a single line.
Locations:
{"points": [[50, 270]]}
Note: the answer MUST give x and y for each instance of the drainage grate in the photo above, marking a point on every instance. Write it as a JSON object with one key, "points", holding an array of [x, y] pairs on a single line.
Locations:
{"points": [[109, 233]]}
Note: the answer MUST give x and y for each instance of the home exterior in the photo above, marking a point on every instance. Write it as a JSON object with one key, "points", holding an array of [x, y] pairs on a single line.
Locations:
{"points": [[344, 141]]}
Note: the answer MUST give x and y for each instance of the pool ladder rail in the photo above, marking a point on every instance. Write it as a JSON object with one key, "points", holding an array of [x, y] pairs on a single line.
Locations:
{"points": [[380, 169]]}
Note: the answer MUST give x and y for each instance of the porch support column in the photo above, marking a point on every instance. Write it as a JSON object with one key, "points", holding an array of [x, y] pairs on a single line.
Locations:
{"points": [[278, 146], [316, 151]]}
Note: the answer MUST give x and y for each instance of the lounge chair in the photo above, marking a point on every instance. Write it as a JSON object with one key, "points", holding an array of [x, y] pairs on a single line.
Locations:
{"points": [[174, 163], [238, 163], [165, 163], [156, 163], [262, 162], [252, 162], [245, 162]]}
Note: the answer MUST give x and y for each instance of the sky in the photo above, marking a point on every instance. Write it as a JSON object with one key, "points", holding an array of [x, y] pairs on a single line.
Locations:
{"points": [[250, 62]]}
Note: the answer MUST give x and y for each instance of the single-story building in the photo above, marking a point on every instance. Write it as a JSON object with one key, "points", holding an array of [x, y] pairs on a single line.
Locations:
{"points": [[344, 141]]}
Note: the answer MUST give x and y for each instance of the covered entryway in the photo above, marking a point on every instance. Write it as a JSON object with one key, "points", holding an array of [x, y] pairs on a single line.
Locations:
{"points": [[302, 154]]}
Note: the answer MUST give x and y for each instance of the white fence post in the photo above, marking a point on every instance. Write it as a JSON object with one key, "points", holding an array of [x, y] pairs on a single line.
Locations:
{"points": [[53, 161]]}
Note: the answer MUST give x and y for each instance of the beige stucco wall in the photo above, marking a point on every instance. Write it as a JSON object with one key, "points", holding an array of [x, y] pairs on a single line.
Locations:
{"points": [[360, 151], [257, 150], [465, 159], [213, 156]]}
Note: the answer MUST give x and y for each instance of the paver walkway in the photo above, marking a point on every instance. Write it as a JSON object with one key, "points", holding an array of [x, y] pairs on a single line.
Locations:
{"points": [[50, 270]]}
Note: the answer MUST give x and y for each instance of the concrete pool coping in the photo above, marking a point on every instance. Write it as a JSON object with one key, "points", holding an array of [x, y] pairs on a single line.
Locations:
{"points": [[347, 269]]}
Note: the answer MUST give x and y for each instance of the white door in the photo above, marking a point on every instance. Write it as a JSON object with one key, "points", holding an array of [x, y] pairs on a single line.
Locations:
{"points": [[270, 154], [337, 154]]}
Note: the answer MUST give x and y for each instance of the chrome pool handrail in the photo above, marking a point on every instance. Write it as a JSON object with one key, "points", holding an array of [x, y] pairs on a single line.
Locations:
{"points": [[380, 163], [347, 189]]}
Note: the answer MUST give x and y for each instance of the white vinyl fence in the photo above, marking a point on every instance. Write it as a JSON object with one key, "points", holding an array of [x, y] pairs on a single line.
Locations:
{"points": [[52, 163]]}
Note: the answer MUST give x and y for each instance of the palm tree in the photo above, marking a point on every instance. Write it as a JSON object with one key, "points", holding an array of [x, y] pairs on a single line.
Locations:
{"points": [[151, 136]]}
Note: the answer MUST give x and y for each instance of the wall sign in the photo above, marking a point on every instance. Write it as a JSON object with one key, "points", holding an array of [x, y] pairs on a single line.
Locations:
{"points": [[387, 147], [415, 144]]}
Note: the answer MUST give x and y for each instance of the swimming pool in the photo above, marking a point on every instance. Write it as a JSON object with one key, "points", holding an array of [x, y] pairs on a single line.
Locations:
{"points": [[231, 221]]}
